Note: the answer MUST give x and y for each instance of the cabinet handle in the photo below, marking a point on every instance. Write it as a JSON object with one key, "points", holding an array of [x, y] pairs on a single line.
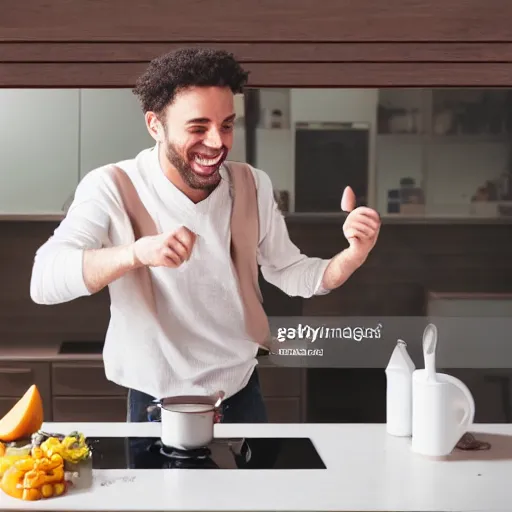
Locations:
{"points": [[15, 370]]}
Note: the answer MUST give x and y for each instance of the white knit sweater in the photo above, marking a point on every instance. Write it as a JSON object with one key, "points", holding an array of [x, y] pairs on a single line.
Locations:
{"points": [[196, 343]]}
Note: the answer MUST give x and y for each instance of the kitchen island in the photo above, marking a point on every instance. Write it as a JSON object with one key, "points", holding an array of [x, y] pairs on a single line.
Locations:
{"points": [[365, 470]]}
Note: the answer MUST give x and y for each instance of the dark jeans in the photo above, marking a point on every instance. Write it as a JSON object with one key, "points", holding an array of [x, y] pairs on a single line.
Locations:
{"points": [[246, 406]]}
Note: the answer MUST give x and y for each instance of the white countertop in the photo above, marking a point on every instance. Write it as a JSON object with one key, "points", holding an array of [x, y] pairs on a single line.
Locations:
{"points": [[367, 470]]}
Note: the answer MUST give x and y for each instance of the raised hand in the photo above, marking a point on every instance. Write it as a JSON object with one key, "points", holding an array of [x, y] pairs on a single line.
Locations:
{"points": [[165, 250], [361, 227]]}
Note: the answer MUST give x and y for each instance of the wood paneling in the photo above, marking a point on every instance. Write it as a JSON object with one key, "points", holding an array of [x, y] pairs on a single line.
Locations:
{"points": [[291, 74], [262, 52], [269, 20], [335, 43]]}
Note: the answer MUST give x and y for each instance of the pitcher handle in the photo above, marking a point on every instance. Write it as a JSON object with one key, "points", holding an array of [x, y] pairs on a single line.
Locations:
{"points": [[469, 414]]}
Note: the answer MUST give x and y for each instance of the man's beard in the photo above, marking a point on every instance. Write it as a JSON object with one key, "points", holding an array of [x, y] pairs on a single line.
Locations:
{"points": [[189, 176]]}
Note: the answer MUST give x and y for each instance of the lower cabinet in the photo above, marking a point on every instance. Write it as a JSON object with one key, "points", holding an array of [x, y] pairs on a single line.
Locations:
{"points": [[89, 408], [83, 378], [78, 391], [17, 376], [6, 404], [282, 392], [284, 410], [81, 392]]}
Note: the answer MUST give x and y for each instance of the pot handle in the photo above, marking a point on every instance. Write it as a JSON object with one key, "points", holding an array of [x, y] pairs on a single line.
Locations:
{"points": [[154, 413]]}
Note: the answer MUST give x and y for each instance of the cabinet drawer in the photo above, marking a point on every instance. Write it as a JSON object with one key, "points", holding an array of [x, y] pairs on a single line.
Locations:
{"points": [[280, 381], [283, 410], [16, 377], [6, 404], [83, 379], [91, 408]]}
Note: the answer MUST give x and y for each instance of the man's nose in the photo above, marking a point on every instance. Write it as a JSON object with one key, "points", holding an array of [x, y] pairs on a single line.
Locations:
{"points": [[213, 139]]}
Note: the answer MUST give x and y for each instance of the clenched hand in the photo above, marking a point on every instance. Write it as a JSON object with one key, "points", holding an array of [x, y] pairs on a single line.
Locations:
{"points": [[361, 227], [166, 250]]}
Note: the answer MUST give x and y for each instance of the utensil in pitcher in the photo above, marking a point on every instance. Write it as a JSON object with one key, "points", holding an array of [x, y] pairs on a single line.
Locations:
{"points": [[429, 351]]}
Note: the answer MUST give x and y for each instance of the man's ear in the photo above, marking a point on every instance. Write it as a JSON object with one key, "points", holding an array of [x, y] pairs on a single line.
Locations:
{"points": [[154, 126]]}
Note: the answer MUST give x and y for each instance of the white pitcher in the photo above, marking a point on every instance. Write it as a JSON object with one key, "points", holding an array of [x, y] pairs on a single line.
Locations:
{"points": [[443, 407]]}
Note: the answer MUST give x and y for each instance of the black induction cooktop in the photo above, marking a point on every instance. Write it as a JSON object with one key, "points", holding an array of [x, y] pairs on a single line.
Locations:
{"points": [[247, 453]]}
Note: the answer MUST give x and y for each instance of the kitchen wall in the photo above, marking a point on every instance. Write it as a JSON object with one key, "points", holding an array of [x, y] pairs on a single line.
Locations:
{"points": [[409, 261], [75, 130], [53, 137], [350, 44]]}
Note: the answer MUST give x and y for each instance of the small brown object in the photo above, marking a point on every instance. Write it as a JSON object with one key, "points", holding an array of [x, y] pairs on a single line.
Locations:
{"points": [[469, 442]]}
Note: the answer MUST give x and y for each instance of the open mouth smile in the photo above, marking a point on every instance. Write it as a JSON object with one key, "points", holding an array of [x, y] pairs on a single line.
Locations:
{"points": [[206, 165]]}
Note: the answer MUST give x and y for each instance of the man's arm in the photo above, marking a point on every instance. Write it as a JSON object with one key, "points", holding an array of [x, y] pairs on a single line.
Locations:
{"points": [[339, 269], [73, 262], [78, 260], [283, 264], [102, 266]]}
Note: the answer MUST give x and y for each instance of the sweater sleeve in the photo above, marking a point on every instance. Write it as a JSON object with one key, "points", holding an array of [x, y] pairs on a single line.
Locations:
{"points": [[57, 272], [282, 263]]}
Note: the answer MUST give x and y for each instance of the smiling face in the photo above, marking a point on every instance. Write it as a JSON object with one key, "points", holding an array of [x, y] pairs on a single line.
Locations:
{"points": [[196, 134]]}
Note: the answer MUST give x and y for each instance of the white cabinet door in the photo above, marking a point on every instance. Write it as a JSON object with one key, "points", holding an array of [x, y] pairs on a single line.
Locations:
{"points": [[112, 128], [38, 150]]}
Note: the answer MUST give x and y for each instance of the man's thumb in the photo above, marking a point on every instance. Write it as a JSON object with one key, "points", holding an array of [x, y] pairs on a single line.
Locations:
{"points": [[348, 200]]}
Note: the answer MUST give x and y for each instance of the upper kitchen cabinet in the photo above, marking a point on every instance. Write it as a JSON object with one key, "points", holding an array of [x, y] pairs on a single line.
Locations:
{"points": [[314, 142], [445, 152], [39, 150], [112, 128]]}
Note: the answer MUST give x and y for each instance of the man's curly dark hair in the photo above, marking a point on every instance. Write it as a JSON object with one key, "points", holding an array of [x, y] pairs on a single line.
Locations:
{"points": [[187, 67]]}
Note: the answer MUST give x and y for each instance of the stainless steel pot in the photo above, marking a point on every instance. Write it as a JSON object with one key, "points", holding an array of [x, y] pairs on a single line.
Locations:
{"points": [[188, 421]]}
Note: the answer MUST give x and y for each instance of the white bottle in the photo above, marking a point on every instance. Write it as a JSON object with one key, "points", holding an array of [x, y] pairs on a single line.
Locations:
{"points": [[399, 392]]}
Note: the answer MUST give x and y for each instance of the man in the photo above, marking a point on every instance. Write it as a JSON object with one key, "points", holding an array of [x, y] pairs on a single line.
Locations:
{"points": [[194, 341]]}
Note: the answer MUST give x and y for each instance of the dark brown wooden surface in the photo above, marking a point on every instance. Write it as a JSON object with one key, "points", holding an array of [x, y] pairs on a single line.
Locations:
{"points": [[21, 319], [334, 43], [17, 376], [269, 20], [408, 261], [263, 52], [91, 75]]}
